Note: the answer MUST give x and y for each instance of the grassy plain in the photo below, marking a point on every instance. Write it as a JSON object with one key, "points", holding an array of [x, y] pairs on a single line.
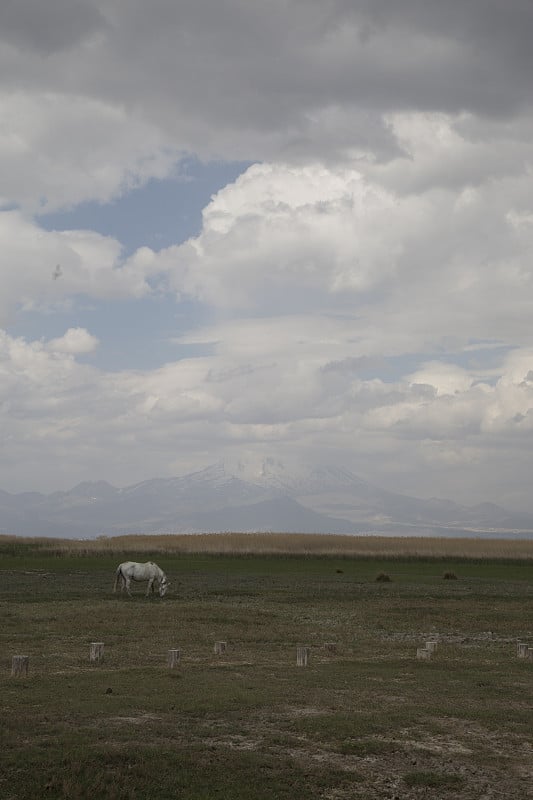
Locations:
{"points": [[369, 721]]}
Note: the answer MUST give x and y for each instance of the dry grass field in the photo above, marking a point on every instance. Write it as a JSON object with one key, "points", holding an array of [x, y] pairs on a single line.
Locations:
{"points": [[301, 544], [366, 720]]}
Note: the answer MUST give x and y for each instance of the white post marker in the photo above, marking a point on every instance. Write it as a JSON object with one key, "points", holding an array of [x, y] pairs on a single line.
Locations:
{"points": [[19, 665], [96, 652]]}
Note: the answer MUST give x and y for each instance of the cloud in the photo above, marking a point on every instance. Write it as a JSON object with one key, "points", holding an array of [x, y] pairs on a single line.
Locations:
{"points": [[46, 270], [454, 151], [148, 84], [75, 341], [346, 318], [62, 24], [362, 293], [56, 410], [60, 149], [287, 237], [443, 263], [444, 379]]}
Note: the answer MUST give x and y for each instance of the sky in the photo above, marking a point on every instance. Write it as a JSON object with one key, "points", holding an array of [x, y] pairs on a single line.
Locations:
{"points": [[299, 231]]}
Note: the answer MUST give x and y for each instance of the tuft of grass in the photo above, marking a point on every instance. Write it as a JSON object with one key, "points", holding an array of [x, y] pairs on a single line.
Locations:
{"points": [[362, 748], [434, 780], [383, 577], [450, 576]]}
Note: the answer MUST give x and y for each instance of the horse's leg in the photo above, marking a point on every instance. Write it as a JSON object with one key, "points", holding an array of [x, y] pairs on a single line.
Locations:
{"points": [[150, 587], [127, 583], [119, 580]]}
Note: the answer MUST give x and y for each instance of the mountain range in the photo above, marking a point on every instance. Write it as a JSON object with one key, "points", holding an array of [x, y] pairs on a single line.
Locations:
{"points": [[216, 499]]}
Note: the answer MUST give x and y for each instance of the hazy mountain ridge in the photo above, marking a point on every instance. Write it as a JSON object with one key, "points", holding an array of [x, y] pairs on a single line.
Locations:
{"points": [[325, 499]]}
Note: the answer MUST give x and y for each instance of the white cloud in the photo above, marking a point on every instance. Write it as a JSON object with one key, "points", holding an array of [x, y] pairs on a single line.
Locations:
{"points": [[75, 341], [309, 400], [58, 150], [445, 379], [441, 264], [43, 270], [291, 238], [453, 151]]}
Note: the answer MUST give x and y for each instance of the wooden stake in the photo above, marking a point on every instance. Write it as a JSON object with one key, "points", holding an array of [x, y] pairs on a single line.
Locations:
{"points": [[302, 656], [20, 665], [97, 651], [173, 658]]}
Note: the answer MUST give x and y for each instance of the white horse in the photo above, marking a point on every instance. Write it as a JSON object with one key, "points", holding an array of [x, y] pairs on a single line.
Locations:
{"points": [[130, 571]]}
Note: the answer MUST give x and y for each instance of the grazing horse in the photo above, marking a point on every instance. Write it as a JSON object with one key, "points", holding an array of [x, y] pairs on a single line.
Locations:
{"points": [[132, 571]]}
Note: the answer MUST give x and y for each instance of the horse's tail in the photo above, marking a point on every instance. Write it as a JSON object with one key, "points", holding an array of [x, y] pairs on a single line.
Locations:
{"points": [[118, 576]]}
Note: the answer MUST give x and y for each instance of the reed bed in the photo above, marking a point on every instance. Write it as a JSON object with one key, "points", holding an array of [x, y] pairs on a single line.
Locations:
{"points": [[294, 544]]}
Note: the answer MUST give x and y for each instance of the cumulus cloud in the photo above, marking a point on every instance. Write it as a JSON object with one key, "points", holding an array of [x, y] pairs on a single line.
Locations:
{"points": [[74, 341], [287, 238], [444, 379], [440, 264]]}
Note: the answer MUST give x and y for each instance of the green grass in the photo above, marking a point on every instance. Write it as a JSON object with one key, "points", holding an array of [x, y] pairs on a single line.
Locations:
{"points": [[367, 721]]}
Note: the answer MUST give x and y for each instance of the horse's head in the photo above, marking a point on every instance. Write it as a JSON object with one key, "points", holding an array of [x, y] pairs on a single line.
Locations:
{"points": [[163, 586]]}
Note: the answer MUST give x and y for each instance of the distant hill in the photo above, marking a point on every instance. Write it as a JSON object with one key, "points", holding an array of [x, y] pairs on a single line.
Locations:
{"points": [[321, 500]]}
